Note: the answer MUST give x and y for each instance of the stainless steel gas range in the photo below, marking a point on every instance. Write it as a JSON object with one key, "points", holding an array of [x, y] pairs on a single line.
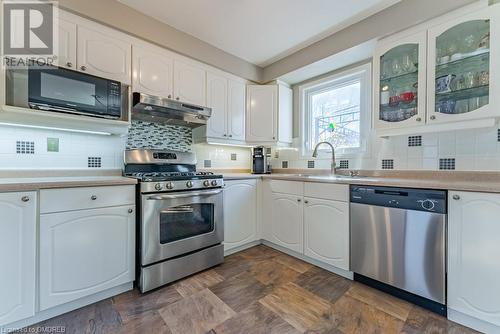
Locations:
{"points": [[180, 225]]}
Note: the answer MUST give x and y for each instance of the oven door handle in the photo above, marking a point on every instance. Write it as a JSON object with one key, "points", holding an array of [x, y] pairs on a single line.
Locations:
{"points": [[184, 195]]}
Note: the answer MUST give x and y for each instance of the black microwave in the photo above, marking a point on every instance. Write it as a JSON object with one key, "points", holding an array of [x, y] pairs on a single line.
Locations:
{"points": [[62, 90]]}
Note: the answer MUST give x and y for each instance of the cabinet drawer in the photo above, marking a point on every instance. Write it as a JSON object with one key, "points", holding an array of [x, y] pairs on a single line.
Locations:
{"points": [[336, 192], [287, 187], [69, 199]]}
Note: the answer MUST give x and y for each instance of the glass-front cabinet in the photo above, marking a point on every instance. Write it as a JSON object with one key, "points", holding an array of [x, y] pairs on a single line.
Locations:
{"points": [[399, 68], [463, 63]]}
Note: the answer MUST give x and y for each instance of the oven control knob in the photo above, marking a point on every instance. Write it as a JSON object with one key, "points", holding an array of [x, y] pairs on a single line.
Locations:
{"points": [[206, 183], [214, 183], [189, 184], [170, 185], [158, 186]]}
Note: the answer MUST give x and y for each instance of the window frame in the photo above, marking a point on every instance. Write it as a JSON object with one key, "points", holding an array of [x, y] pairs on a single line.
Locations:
{"points": [[363, 73]]}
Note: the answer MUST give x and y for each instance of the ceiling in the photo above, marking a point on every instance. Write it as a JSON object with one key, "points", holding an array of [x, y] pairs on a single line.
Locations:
{"points": [[259, 31]]}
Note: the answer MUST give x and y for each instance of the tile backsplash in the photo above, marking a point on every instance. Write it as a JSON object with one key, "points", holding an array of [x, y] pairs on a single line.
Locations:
{"points": [[159, 136], [24, 148], [477, 149]]}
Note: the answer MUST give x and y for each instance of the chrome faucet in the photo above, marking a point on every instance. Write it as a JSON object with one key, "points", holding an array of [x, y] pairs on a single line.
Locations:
{"points": [[315, 154]]}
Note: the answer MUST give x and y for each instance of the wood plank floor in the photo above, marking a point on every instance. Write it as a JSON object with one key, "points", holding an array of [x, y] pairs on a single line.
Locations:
{"points": [[259, 290]]}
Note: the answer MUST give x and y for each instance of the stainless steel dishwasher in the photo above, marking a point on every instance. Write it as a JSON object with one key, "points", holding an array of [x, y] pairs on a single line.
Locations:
{"points": [[398, 242]]}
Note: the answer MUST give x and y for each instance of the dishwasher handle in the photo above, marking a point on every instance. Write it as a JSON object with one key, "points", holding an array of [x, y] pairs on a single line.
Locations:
{"points": [[391, 192]]}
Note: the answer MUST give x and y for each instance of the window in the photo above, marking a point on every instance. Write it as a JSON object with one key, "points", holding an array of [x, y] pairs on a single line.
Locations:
{"points": [[337, 110]]}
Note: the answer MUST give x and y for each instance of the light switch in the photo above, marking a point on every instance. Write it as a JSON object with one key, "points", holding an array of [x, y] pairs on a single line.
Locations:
{"points": [[52, 144]]}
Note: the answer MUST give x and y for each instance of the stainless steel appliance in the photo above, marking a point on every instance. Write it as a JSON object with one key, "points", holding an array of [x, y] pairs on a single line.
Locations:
{"points": [[157, 109], [261, 160], [181, 225], [58, 89], [398, 242]]}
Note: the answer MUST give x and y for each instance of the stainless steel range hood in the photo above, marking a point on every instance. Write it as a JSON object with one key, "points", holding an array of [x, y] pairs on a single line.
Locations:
{"points": [[161, 110]]}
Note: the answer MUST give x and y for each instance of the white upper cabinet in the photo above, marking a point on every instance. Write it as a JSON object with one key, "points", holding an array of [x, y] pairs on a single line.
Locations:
{"points": [[464, 68], [226, 97], [152, 71], [67, 44], [190, 83], [399, 82], [217, 99], [269, 114], [441, 77], [473, 250], [262, 113], [17, 256], [236, 112], [240, 213], [103, 53]]}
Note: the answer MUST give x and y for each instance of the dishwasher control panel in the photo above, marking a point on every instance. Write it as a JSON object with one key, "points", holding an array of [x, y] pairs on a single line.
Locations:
{"points": [[403, 198]]}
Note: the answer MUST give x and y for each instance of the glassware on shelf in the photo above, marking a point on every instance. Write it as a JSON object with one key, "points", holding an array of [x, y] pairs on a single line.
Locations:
{"points": [[443, 83], [446, 107], [386, 69], [484, 78], [471, 79], [396, 67], [474, 103], [407, 64]]}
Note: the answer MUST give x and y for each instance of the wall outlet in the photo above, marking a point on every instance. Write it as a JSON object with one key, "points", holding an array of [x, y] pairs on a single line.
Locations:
{"points": [[234, 156], [52, 144]]}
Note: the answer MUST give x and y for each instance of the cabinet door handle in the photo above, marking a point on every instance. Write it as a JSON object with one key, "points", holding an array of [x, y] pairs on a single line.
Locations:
{"points": [[418, 119], [274, 138], [433, 117], [170, 96], [456, 197], [83, 68], [177, 98], [69, 64], [130, 210], [230, 136], [93, 197], [306, 201], [25, 199], [299, 200]]}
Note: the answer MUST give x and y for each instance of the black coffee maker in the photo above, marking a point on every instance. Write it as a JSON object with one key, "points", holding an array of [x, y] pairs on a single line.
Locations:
{"points": [[261, 160]]}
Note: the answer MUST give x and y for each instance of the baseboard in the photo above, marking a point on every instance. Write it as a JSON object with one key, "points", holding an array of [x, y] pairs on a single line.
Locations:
{"points": [[330, 268], [242, 247], [68, 307], [471, 322]]}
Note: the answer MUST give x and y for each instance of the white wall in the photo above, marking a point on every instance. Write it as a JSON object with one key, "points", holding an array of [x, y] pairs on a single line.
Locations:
{"points": [[472, 150], [74, 149]]}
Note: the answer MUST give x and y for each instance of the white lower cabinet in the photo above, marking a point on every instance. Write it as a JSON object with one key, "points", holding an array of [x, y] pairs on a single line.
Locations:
{"points": [[240, 213], [473, 252], [326, 231], [17, 256], [287, 227], [308, 218], [85, 252]]}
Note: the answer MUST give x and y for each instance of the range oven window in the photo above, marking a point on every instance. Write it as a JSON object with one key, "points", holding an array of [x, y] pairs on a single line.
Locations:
{"points": [[185, 221]]}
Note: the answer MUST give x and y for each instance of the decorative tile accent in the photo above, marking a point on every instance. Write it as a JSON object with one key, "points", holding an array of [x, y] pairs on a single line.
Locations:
{"points": [[344, 164], [284, 164], [52, 144], [234, 157], [94, 162], [310, 164], [387, 164], [207, 163], [447, 164], [414, 141], [25, 147], [159, 136]]}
